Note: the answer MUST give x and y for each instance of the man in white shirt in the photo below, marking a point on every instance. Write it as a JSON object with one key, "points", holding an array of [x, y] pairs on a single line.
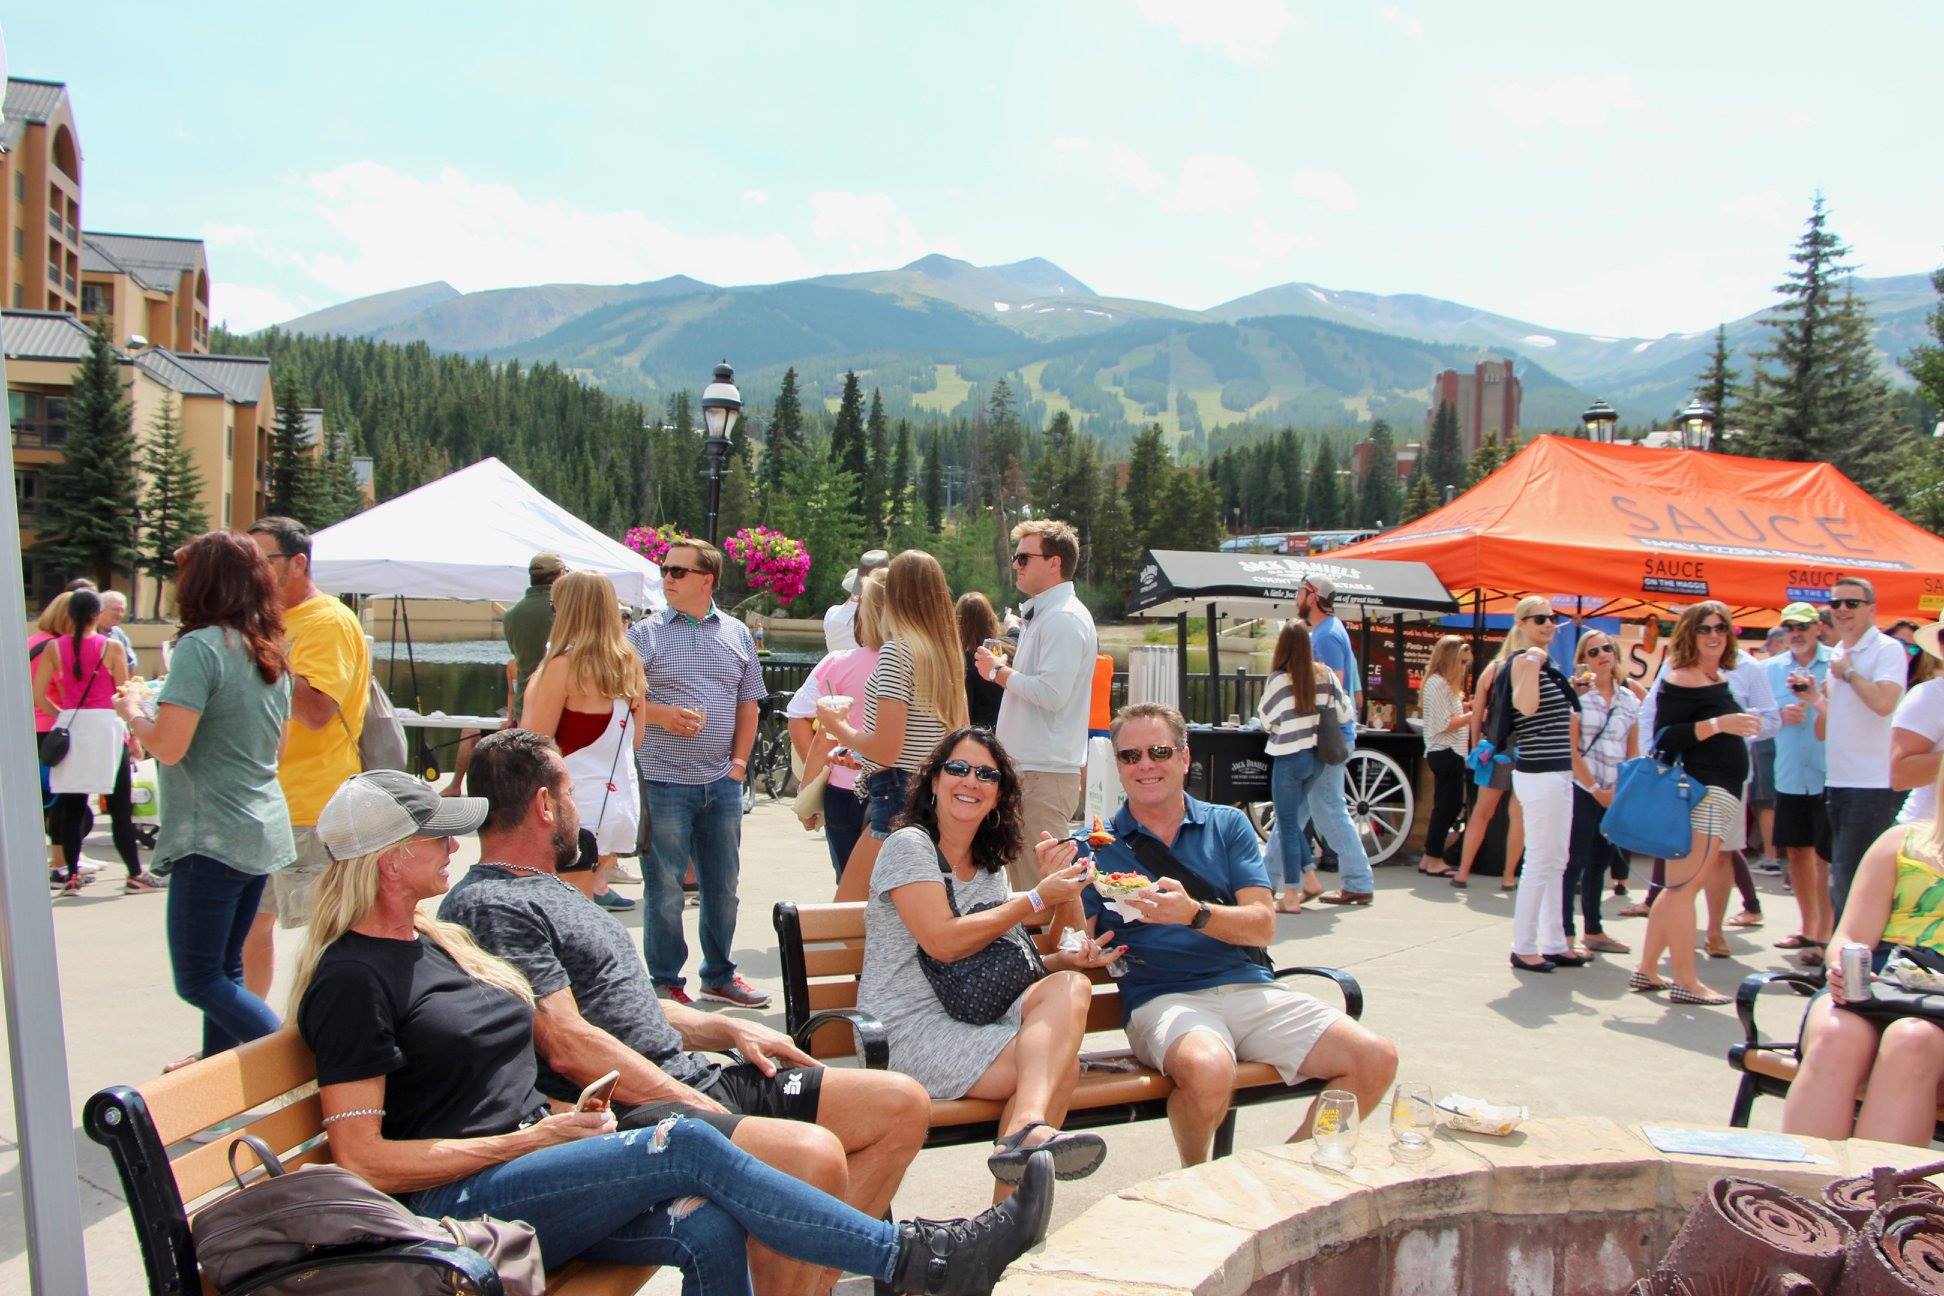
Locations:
{"points": [[1043, 717], [114, 606], [1867, 669], [840, 620], [1917, 736]]}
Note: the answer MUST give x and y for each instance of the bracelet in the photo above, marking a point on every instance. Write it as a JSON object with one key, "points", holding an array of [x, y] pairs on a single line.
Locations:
{"points": [[1034, 897], [347, 1115]]}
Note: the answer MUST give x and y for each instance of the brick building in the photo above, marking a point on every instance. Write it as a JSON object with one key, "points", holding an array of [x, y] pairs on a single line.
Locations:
{"points": [[1487, 401]]}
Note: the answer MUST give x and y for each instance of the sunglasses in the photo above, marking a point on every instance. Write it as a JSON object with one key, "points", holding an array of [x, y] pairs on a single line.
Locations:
{"points": [[1712, 628], [1025, 556], [1158, 752], [1849, 603], [1602, 650], [677, 573], [1540, 618], [983, 773]]}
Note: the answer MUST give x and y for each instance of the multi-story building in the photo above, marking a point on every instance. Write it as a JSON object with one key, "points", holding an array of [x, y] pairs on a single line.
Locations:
{"points": [[1486, 399], [40, 198], [142, 286], [223, 403]]}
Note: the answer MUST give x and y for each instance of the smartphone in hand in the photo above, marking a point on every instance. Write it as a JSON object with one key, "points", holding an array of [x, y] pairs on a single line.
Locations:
{"points": [[597, 1095]]}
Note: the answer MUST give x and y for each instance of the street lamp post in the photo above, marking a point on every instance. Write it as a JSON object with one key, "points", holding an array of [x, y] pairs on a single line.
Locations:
{"points": [[1598, 422], [721, 407], [1697, 425]]}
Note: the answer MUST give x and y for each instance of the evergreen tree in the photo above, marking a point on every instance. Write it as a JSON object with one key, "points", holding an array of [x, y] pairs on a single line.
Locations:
{"points": [[1379, 497], [1922, 479], [1148, 472], [1444, 454], [785, 437], [172, 510], [900, 495], [1003, 449], [1050, 473], [877, 470], [1489, 459], [849, 453], [1294, 504], [815, 507], [1079, 499], [291, 492], [1871, 442], [1718, 388], [1189, 515], [1325, 495], [1422, 499], [931, 491], [1791, 417], [89, 500], [1117, 548]]}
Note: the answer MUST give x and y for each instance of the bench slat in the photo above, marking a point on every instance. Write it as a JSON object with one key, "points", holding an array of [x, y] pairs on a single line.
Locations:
{"points": [[833, 960], [215, 1089], [203, 1168]]}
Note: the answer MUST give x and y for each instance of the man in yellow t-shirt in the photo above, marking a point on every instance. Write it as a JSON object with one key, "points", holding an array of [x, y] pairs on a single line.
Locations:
{"points": [[330, 668]]}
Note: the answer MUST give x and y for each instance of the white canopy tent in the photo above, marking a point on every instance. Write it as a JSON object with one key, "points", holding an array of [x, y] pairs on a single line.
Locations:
{"points": [[470, 535]]}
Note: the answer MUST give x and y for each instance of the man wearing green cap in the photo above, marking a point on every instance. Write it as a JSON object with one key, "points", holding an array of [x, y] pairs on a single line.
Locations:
{"points": [[1795, 677], [528, 624]]}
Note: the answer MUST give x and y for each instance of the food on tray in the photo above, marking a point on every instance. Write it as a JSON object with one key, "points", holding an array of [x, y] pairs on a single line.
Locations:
{"points": [[1098, 834], [1121, 886], [1476, 1116]]}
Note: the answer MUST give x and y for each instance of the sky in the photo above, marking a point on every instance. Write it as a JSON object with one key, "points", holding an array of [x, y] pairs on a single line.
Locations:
{"points": [[1628, 169]]}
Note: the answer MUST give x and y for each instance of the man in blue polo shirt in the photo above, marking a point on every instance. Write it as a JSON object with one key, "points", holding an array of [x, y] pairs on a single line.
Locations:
{"points": [[1196, 995]]}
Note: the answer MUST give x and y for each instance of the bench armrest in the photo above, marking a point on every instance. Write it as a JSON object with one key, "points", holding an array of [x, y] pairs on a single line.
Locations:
{"points": [[1353, 998], [1751, 988], [462, 1262], [873, 1042]]}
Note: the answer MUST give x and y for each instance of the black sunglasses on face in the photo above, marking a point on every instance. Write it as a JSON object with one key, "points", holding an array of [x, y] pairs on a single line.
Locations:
{"points": [[1540, 618], [1601, 650], [1849, 603], [677, 573], [959, 769], [1712, 628], [1158, 752], [1025, 556]]}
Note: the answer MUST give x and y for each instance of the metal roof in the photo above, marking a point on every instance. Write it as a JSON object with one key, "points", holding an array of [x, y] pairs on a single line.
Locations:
{"points": [[167, 368], [170, 256], [96, 260], [240, 378], [42, 335], [28, 102]]}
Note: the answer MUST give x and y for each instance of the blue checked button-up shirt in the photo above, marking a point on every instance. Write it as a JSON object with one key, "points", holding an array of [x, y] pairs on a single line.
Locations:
{"points": [[709, 665], [1800, 765]]}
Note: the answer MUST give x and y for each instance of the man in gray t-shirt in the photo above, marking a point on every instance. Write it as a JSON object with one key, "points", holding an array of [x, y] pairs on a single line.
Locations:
{"points": [[596, 1010]]}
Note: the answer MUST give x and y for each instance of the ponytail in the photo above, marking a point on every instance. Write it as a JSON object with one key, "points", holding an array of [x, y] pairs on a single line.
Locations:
{"points": [[84, 609]]}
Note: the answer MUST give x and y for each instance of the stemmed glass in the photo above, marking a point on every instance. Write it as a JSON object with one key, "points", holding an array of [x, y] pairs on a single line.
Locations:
{"points": [[1412, 1119], [1335, 1132]]}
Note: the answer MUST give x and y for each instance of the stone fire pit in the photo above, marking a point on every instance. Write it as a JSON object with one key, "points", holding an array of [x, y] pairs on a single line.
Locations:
{"points": [[1562, 1208]]}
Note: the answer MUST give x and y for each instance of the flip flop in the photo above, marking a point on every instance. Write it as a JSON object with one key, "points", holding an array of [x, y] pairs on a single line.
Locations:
{"points": [[1445, 872], [1075, 1156], [1460, 883], [1797, 941]]}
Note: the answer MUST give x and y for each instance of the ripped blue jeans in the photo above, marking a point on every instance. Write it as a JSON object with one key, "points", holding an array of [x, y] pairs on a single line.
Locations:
{"points": [[677, 1193]]}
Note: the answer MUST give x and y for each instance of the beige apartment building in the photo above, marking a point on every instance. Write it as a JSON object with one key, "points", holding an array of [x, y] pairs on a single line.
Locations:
{"points": [[40, 198], [140, 286]]}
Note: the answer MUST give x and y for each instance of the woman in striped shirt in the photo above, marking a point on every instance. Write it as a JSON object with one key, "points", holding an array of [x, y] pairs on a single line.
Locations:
{"points": [[1543, 706], [1301, 785], [1605, 735]]}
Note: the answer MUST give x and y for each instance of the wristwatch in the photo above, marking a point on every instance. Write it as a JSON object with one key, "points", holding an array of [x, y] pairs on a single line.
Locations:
{"points": [[1202, 915]]}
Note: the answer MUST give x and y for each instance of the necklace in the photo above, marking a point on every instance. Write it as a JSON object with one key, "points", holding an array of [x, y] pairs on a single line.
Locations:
{"points": [[528, 868]]}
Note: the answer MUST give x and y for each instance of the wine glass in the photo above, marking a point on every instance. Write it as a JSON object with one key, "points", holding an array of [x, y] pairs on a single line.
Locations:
{"points": [[1335, 1131], [1412, 1119]]}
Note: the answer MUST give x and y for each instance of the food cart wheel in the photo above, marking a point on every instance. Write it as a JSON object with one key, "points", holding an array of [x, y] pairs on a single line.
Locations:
{"points": [[1381, 801]]}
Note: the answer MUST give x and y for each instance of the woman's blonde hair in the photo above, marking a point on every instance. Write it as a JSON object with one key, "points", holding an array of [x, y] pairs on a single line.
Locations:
{"points": [[868, 628], [1448, 660], [346, 892], [918, 613], [1586, 641], [1684, 650], [587, 631], [54, 618], [1515, 638]]}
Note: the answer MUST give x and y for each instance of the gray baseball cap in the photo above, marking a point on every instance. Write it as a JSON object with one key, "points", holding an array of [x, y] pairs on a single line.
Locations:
{"points": [[381, 808]]}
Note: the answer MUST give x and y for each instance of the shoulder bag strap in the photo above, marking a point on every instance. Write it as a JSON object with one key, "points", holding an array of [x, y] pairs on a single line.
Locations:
{"points": [[619, 745], [1604, 724], [945, 876], [91, 675], [1160, 859]]}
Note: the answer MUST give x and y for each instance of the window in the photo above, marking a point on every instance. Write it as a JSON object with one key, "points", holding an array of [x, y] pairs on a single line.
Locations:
{"points": [[20, 241], [229, 442], [20, 297], [38, 419], [20, 186], [97, 299], [27, 494], [226, 508], [18, 405]]}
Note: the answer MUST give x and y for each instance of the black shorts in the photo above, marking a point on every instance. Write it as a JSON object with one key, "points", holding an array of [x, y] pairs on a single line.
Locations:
{"points": [[1801, 820], [793, 1093]]}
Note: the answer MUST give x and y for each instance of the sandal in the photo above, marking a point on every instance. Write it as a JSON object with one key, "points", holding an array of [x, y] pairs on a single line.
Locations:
{"points": [[1283, 905], [1641, 983], [1601, 943], [1811, 958], [1457, 881], [1683, 995], [1746, 918], [1075, 1156], [1797, 941], [1720, 950], [1445, 872], [1636, 911]]}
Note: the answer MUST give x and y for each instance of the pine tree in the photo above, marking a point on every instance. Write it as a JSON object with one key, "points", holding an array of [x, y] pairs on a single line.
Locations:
{"points": [[1922, 479], [1791, 419], [1423, 499], [1148, 471], [815, 507], [1379, 498], [1049, 478], [848, 451], [1291, 463], [1718, 389], [1489, 459], [1117, 548], [932, 491], [90, 499], [785, 437], [290, 477], [877, 469], [335, 491], [1871, 442], [1079, 500], [1004, 446], [1325, 497], [172, 511], [900, 486], [1444, 454]]}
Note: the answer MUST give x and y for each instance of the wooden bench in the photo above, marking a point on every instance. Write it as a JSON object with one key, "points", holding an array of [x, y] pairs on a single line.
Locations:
{"points": [[140, 1125], [1769, 1067], [822, 949]]}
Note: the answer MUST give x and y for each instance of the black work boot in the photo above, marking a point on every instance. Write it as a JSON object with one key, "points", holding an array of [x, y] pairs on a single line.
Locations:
{"points": [[962, 1257]]}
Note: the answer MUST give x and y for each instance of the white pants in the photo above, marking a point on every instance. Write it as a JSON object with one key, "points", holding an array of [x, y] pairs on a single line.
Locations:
{"points": [[1538, 915]]}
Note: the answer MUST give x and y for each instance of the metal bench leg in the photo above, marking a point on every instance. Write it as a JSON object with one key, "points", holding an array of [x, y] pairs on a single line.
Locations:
{"points": [[1744, 1101], [1225, 1135]]}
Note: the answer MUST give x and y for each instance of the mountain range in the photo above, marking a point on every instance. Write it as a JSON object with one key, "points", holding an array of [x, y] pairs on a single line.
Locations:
{"points": [[934, 335]]}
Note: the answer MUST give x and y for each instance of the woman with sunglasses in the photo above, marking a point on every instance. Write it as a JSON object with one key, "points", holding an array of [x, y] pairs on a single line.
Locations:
{"points": [[1543, 706], [1699, 722], [960, 828], [1486, 801], [1447, 723], [1297, 699], [1604, 737]]}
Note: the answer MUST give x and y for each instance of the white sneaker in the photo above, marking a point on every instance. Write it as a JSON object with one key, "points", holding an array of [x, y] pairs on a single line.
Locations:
{"points": [[1768, 865]]}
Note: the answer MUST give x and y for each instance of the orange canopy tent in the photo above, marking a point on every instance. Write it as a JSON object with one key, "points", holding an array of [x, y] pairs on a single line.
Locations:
{"points": [[1639, 532]]}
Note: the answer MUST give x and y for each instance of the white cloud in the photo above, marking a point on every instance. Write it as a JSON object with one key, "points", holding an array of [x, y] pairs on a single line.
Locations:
{"points": [[1395, 17], [1325, 189], [755, 197], [1574, 102], [1242, 31], [247, 307], [1274, 243], [1215, 182], [869, 231]]}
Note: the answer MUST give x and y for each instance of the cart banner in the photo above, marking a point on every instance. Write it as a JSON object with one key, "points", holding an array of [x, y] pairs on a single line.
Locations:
{"points": [[1172, 581]]}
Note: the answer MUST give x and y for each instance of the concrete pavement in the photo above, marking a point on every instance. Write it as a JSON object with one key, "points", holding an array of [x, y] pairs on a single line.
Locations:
{"points": [[1432, 961]]}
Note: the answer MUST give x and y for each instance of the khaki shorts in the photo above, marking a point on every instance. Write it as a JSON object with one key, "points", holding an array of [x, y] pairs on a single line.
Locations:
{"points": [[288, 896], [1049, 802], [1255, 1022]]}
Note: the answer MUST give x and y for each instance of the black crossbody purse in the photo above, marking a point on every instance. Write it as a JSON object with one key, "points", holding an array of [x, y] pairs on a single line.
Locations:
{"points": [[1161, 861], [979, 988]]}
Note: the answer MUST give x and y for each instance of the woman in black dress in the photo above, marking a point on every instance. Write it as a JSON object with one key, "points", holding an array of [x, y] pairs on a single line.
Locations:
{"points": [[977, 622]]}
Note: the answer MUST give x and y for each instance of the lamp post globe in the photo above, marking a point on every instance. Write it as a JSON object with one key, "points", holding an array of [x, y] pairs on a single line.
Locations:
{"points": [[721, 407], [1697, 425], [1598, 420]]}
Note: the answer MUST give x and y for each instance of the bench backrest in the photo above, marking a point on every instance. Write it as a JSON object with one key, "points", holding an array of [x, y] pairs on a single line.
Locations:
{"points": [[822, 952], [140, 1125]]}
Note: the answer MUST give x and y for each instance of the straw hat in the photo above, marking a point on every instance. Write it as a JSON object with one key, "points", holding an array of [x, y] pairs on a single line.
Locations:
{"points": [[1927, 639]]}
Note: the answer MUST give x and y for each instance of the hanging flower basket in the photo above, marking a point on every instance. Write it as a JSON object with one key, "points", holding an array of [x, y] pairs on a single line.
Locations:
{"points": [[773, 563], [654, 543]]}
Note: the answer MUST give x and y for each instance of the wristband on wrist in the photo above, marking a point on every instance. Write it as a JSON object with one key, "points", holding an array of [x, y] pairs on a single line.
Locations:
{"points": [[1037, 902]]}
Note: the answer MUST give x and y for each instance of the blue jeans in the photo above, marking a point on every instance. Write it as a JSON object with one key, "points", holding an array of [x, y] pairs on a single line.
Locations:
{"points": [[887, 790], [700, 822], [636, 1198], [1305, 789], [1857, 817], [843, 825], [211, 906]]}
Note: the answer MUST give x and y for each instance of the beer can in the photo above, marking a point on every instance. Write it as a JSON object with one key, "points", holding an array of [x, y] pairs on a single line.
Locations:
{"points": [[1855, 966]]}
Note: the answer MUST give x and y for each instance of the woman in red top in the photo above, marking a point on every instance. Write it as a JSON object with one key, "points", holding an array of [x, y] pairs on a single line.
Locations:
{"points": [[82, 670]]}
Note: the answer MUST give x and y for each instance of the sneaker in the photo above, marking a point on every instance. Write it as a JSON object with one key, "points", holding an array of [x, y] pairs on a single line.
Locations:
{"points": [[613, 903], [625, 876], [1767, 865], [738, 992], [674, 994], [140, 882]]}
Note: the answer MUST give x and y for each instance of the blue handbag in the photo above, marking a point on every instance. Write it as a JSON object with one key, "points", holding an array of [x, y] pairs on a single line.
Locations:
{"points": [[1652, 810]]}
